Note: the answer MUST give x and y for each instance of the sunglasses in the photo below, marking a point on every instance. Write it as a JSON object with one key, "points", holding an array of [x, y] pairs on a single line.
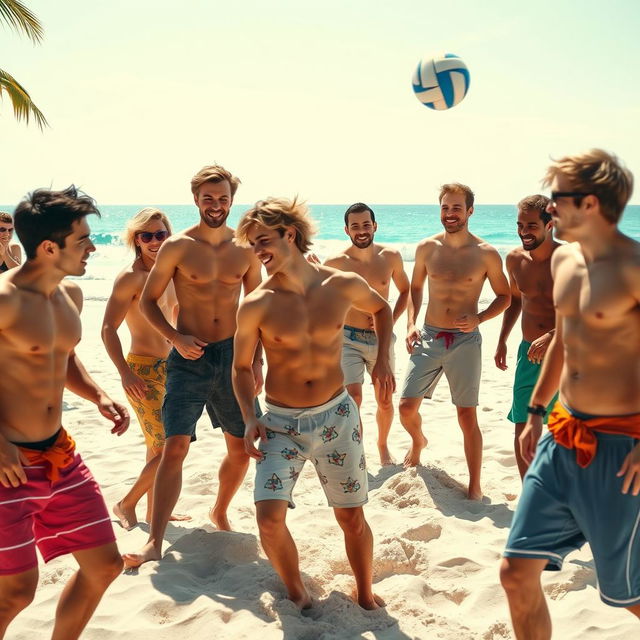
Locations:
{"points": [[567, 194], [148, 236], [5, 229]]}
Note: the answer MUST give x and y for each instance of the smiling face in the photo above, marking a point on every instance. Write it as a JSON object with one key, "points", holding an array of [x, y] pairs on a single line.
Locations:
{"points": [[454, 214], [72, 259], [531, 229], [150, 249], [213, 200], [270, 247], [361, 229]]}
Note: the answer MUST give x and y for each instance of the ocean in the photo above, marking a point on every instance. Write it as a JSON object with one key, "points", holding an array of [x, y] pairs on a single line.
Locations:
{"points": [[400, 226]]}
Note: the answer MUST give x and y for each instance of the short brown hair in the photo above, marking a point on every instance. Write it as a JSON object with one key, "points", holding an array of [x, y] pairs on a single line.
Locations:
{"points": [[138, 223], [537, 203], [5, 217], [214, 173], [278, 214], [596, 172], [457, 187]]}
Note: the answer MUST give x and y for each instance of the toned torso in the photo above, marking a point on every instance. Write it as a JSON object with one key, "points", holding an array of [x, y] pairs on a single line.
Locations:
{"points": [[599, 305], [37, 334], [535, 284]]}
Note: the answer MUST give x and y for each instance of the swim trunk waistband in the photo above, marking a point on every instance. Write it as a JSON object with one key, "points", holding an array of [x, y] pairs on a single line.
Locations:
{"points": [[133, 358], [302, 412], [220, 344], [40, 445], [367, 336], [56, 457], [432, 329]]}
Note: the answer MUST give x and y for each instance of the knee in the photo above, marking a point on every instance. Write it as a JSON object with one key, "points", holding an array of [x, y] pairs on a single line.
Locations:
{"points": [[514, 581], [385, 405], [107, 571], [175, 450], [407, 408], [17, 597], [467, 417], [351, 521], [270, 524]]}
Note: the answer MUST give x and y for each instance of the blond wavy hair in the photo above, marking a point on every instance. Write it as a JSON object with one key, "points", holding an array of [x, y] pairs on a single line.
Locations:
{"points": [[596, 172], [457, 187], [278, 214], [139, 222], [214, 173]]}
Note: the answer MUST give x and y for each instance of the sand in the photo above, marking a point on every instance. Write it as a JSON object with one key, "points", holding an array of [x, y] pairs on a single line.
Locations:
{"points": [[436, 554]]}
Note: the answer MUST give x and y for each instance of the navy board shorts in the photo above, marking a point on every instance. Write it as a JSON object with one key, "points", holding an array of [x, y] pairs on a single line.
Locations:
{"points": [[193, 385], [562, 506]]}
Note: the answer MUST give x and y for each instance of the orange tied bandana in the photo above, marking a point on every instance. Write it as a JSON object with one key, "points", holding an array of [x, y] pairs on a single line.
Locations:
{"points": [[57, 456], [448, 337], [573, 433]]}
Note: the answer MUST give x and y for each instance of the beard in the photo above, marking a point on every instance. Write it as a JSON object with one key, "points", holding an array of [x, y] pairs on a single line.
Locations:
{"points": [[536, 243], [362, 244], [453, 228], [214, 223]]}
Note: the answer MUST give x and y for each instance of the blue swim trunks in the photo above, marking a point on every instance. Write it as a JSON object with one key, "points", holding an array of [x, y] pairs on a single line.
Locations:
{"points": [[563, 506]]}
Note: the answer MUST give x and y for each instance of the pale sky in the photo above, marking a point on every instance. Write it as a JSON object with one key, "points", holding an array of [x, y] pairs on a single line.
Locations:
{"points": [[314, 98]]}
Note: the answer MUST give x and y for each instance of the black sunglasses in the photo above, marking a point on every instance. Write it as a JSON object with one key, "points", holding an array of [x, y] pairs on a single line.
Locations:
{"points": [[148, 236], [567, 194], [5, 229]]}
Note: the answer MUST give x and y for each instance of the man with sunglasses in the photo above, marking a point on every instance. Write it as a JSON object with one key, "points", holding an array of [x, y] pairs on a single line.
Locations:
{"points": [[143, 371], [10, 254], [583, 482], [208, 271]]}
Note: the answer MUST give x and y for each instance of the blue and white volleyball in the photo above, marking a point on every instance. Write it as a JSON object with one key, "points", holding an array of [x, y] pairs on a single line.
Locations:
{"points": [[441, 82]]}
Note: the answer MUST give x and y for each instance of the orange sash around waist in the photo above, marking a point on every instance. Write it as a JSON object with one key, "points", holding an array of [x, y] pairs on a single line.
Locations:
{"points": [[58, 456], [573, 433]]}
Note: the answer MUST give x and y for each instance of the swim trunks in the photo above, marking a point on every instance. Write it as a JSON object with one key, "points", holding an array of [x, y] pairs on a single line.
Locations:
{"points": [[564, 505], [57, 517], [527, 374], [360, 350], [329, 436], [203, 383], [450, 351], [153, 371]]}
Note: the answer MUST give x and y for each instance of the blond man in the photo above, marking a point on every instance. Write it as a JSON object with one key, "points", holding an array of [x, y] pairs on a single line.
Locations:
{"points": [[208, 270], [584, 482], [310, 416]]}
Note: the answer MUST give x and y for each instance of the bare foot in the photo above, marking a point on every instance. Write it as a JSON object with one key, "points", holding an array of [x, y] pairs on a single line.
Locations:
{"points": [[474, 494], [302, 600], [126, 517], [412, 459], [219, 520], [385, 456], [146, 554], [179, 517], [369, 602]]}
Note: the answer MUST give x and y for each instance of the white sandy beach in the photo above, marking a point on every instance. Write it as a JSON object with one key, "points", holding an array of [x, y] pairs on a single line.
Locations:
{"points": [[436, 553]]}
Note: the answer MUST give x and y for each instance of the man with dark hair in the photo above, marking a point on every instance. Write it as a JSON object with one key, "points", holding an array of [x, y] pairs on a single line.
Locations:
{"points": [[529, 271], [48, 497], [378, 265]]}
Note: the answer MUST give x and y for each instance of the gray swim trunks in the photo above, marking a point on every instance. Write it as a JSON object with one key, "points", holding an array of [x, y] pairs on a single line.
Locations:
{"points": [[448, 351], [360, 350], [328, 435]]}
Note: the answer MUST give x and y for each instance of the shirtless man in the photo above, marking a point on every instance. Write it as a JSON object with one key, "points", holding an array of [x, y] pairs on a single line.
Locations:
{"points": [[143, 372], [529, 271], [208, 271], [456, 264], [378, 265], [10, 254], [589, 493], [48, 497], [309, 415]]}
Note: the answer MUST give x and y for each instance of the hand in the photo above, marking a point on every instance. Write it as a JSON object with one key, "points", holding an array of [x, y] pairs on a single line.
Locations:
{"points": [[312, 258], [257, 376], [414, 338], [115, 412], [253, 430], [382, 378], [189, 347], [134, 385], [529, 438], [467, 322], [630, 469], [11, 460], [501, 356], [538, 348]]}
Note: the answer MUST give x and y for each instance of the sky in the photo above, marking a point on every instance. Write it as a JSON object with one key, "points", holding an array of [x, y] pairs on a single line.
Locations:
{"points": [[314, 98]]}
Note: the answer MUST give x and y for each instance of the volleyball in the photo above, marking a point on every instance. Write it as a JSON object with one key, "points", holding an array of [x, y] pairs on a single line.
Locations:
{"points": [[441, 82]]}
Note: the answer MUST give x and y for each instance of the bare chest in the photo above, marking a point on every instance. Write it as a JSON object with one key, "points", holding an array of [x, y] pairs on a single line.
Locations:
{"points": [[207, 266], [534, 279], [377, 273], [455, 266]]}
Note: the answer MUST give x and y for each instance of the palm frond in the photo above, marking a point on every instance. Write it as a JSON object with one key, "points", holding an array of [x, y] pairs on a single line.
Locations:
{"points": [[20, 18], [23, 106]]}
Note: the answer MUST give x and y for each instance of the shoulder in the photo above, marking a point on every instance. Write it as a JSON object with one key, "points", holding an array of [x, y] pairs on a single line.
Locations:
{"points": [[488, 251], [391, 255], [426, 246], [9, 302], [131, 279], [337, 261], [256, 302], [514, 257], [74, 292]]}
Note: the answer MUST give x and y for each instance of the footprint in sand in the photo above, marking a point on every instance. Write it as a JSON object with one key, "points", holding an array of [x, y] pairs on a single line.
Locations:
{"points": [[423, 533]]}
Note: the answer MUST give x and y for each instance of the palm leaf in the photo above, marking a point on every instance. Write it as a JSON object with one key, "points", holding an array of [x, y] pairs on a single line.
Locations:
{"points": [[23, 106], [20, 18]]}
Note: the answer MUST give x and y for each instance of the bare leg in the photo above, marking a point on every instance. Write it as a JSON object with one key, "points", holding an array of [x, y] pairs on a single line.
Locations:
{"points": [[355, 391], [166, 491], [281, 549], [384, 418], [230, 476], [468, 422], [99, 567], [522, 465], [16, 594], [358, 541], [520, 579], [412, 422]]}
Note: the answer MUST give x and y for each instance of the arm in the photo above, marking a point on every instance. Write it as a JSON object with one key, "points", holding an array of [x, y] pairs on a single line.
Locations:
{"points": [[509, 318], [125, 289], [415, 298], [245, 341], [252, 278], [401, 282]]}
